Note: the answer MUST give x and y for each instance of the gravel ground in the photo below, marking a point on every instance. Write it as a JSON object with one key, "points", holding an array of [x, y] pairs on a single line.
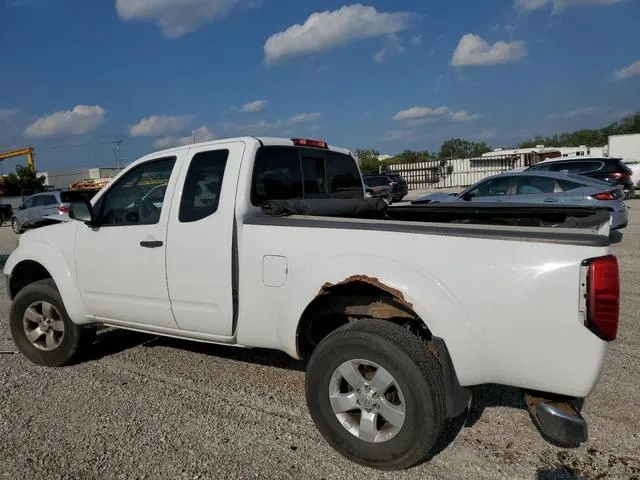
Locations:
{"points": [[145, 407]]}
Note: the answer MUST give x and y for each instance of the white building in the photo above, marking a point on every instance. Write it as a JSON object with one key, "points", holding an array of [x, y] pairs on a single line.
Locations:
{"points": [[549, 152], [64, 178]]}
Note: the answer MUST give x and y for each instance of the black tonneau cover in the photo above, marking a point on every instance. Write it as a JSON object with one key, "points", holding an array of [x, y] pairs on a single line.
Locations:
{"points": [[517, 214]]}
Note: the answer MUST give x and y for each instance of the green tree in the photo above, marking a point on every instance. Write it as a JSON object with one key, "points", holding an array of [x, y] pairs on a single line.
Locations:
{"points": [[410, 156], [368, 160], [458, 148], [592, 138], [24, 182]]}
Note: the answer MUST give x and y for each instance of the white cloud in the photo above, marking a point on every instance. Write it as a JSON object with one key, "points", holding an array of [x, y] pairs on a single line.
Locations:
{"points": [[158, 125], [524, 6], [628, 71], [393, 46], [82, 119], [280, 125], [202, 134], [419, 115], [255, 106], [303, 118], [416, 40], [6, 114], [472, 50], [176, 17], [420, 112], [463, 116], [331, 29], [396, 135]]}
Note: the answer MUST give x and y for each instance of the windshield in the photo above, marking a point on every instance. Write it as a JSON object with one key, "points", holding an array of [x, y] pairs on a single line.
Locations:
{"points": [[77, 196], [376, 181]]}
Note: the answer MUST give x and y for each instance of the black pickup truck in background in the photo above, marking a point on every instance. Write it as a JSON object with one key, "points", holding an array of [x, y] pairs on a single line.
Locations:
{"points": [[6, 212]]}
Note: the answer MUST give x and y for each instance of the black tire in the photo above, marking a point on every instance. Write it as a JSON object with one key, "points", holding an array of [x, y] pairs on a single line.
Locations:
{"points": [[417, 373], [73, 337], [15, 225]]}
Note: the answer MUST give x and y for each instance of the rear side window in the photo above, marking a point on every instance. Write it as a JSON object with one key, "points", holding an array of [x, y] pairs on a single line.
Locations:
{"points": [[576, 167], [276, 175], [284, 173], [202, 186], [615, 166], [567, 185], [536, 185]]}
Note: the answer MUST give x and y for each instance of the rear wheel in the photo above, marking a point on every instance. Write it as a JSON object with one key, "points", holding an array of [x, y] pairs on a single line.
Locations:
{"points": [[15, 224], [41, 327], [376, 394]]}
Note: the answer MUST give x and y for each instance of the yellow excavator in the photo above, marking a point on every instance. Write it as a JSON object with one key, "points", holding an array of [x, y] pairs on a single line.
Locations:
{"points": [[18, 153]]}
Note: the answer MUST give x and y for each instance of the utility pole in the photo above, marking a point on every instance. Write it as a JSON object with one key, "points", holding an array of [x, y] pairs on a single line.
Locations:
{"points": [[117, 144]]}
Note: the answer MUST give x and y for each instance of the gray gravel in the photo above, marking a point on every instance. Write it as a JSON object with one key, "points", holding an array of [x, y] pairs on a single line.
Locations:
{"points": [[145, 407]]}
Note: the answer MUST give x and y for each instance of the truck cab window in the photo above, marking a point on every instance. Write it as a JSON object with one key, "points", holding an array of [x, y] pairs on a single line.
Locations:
{"points": [[276, 175], [284, 173], [202, 186], [343, 176], [137, 198], [314, 175]]}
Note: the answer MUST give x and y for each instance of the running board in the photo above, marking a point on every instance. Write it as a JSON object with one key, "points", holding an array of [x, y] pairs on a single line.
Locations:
{"points": [[558, 420]]}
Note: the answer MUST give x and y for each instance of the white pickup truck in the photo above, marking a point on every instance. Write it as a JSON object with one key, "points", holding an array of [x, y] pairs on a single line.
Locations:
{"points": [[395, 318]]}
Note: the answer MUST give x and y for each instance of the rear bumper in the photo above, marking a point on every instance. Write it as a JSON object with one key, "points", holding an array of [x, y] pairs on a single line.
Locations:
{"points": [[619, 218], [558, 419]]}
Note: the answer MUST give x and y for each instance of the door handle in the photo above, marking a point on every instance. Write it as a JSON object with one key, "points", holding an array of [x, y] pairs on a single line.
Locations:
{"points": [[550, 200], [151, 243]]}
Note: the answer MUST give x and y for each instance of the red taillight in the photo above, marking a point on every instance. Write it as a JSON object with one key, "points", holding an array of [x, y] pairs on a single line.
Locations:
{"points": [[305, 142], [619, 175], [603, 297], [605, 195], [63, 209]]}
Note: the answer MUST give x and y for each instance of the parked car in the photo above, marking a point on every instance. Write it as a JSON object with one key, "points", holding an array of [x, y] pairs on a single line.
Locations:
{"points": [[608, 169], [394, 337], [6, 213], [539, 187], [52, 203], [634, 166], [399, 186], [378, 186]]}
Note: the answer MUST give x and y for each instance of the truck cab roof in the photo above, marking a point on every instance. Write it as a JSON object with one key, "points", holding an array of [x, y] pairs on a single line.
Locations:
{"points": [[266, 141]]}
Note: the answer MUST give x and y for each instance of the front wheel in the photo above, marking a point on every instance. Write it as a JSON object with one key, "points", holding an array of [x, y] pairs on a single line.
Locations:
{"points": [[41, 327], [376, 393], [15, 224]]}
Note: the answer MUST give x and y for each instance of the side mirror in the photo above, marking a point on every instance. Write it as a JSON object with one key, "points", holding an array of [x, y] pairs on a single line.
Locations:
{"points": [[82, 211], [21, 206], [466, 197]]}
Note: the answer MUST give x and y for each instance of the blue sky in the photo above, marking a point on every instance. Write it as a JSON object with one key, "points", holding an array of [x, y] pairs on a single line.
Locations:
{"points": [[391, 75]]}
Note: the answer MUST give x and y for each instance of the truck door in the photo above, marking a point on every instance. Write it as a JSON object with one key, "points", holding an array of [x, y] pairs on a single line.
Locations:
{"points": [[120, 264], [200, 240]]}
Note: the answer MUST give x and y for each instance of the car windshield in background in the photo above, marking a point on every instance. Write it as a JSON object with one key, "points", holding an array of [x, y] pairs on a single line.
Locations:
{"points": [[284, 173], [377, 181], [77, 196]]}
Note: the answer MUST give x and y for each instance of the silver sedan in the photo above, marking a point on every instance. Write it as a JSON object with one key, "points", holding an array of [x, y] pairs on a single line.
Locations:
{"points": [[542, 188]]}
